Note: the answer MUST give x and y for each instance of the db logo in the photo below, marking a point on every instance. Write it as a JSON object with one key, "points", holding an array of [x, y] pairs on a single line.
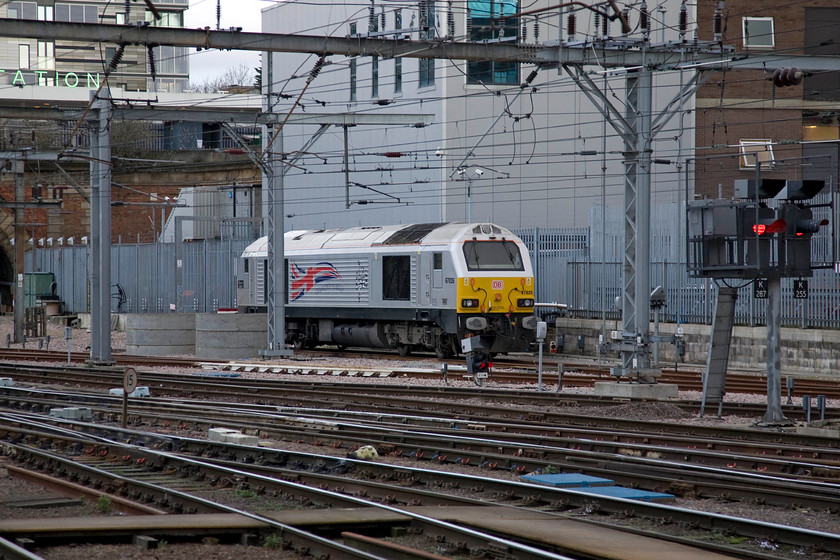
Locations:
{"points": [[498, 284]]}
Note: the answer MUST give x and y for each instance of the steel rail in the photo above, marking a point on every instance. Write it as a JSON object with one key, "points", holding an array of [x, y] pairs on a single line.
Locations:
{"points": [[799, 537], [11, 551], [324, 546], [284, 390], [576, 374], [726, 447]]}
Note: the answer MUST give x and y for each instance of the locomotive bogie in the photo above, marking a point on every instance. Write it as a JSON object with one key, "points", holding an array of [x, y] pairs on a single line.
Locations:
{"points": [[416, 287]]}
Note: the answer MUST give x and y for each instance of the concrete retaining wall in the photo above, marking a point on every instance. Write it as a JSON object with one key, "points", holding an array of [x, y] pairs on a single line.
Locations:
{"points": [[230, 336], [803, 350], [160, 334]]}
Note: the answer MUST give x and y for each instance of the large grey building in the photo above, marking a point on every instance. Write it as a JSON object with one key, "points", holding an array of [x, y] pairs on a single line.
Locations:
{"points": [[504, 145]]}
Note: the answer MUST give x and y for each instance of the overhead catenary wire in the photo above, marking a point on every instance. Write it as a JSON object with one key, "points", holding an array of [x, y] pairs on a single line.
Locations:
{"points": [[701, 147]]}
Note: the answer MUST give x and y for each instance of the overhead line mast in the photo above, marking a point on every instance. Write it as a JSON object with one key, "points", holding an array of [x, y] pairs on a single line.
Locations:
{"points": [[635, 56]]}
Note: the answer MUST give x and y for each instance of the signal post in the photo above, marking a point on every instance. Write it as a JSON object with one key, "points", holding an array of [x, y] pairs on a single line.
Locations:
{"points": [[760, 237]]}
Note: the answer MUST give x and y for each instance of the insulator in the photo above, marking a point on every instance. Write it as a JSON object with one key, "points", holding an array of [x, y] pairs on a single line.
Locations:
{"points": [[537, 29], [625, 25], [643, 18], [115, 60], [469, 24], [523, 37], [501, 27], [783, 77], [718, 22], [597, 20], [152, 66], [424, 15], [316, 69], [605, 27], [371, 19], [570, 25], [683, 20], [450, 21], [382, 19], [218, 14], [127, 10], [531, 76]]}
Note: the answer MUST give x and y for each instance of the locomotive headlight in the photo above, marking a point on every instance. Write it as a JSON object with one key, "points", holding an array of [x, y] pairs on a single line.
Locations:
{"points": [[525, 302], [469, 303]]}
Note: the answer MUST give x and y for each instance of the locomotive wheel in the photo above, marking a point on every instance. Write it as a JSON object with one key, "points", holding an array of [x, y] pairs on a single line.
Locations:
{"points": [[300, 342], [403, 350], [443, 346]]}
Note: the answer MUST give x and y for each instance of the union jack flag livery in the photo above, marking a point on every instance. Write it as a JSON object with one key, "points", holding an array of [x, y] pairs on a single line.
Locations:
{"points": [[304, 279]]}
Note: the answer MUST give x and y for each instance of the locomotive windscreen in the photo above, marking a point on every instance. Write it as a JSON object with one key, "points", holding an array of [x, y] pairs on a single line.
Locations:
{"points": [[492, 255]]}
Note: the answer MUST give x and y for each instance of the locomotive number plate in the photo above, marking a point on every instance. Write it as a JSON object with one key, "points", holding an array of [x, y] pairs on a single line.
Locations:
{"points": [[498, 284]]}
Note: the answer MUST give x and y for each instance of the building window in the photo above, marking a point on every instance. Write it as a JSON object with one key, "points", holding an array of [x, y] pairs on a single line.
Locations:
{"points": [[167, 19], [756, 150], [820, 133], [119, 18], [374, 77], [21, 10], [23, 57], [46, 55], [170, 60], [353, 68], [352, 79], [396, 277], [76, 13], [427, 72], [397, 61], [46, 13], [758, 32], [169, 85], [427, 33], [488, 23]]}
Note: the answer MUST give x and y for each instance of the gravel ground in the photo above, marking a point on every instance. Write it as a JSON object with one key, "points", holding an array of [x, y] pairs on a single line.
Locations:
{"points": [[658, 411]]}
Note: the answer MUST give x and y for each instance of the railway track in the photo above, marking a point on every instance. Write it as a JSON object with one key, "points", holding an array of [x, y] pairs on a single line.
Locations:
{"points": [[503, 431], [521, 447], [516, 370], [99, 454], [294, 390]]}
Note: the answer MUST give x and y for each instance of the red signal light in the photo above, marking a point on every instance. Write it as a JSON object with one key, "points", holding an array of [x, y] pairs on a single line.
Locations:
{"points": [[774, 227]]}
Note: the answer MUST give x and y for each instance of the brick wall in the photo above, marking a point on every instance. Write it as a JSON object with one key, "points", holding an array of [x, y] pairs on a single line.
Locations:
{"points": [[70, 216], [744, 104]]}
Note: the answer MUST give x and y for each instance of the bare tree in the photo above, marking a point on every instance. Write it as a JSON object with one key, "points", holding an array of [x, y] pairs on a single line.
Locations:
{"points": [[239, 75]]}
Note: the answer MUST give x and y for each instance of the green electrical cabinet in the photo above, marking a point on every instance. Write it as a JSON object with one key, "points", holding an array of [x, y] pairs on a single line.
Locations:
{"points": [[37, 286]]}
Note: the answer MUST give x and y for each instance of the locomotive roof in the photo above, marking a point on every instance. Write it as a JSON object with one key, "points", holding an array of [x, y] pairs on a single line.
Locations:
{"points": [[369, 236]]}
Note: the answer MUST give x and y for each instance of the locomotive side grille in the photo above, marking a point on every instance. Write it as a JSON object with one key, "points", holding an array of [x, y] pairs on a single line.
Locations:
{"points": [[415, 273], [259, 277], [411, 234]]}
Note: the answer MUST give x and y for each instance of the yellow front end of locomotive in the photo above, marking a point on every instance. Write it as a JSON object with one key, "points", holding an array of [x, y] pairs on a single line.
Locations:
{"points": [[513, 294]]}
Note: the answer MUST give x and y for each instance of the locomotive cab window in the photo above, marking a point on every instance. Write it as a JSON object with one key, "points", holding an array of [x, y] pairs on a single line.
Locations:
{"points": [[396, 277], [492, 255]]}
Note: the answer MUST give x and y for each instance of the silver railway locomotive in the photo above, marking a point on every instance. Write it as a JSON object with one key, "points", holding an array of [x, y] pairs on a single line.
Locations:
{"points": [[406, 287]]}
